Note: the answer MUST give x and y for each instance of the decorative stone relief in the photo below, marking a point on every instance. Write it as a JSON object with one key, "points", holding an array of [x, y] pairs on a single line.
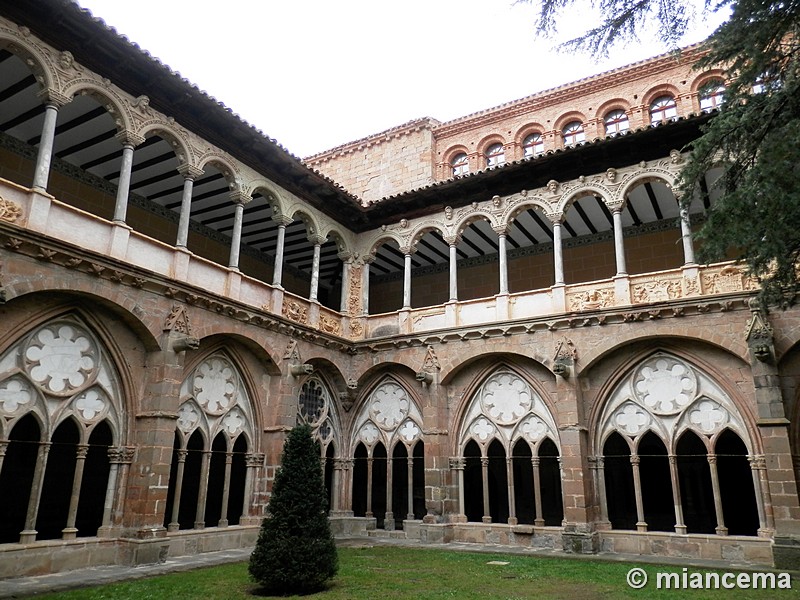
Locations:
{"points": [[91, 404], [708, 416], [631, 419], [214, 385], [9, 211], [409, 431], [591, 299], [188, 417], [330, 325], [293, 310], [665, 385], [506, 398], [535, 429], [656, 291], [60, 358], [729, 279], [178, 320], [233, 423], [482, 429], [368, 434], [431, 362], [389, 406], [354, 305], [15, 393]]}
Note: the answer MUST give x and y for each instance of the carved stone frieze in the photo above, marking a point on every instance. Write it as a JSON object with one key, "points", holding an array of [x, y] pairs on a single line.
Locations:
{"points": [[9, 211], [330, 325], [591, 299], [431, 362], [728, 279], [354, 291], [656, 291], [295, 311], [178, 320]]}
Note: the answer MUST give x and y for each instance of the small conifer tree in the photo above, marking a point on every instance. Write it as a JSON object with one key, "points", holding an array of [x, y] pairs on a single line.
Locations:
{"points": [[295, 552]]}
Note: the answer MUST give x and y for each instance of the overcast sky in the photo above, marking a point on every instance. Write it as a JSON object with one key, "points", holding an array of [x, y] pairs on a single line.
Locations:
{"points": [[314, 74]]}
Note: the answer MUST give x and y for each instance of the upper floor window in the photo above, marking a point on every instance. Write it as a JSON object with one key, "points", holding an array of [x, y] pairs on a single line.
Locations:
{"points": [[573, 133], [616, 122], [533, 145], [495, 155], [663, 108], [712, 95], [460, 164]]}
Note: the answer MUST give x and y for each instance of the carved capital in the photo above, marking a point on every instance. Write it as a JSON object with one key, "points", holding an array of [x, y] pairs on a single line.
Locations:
{"points": [[189, 171], [129, 138]]}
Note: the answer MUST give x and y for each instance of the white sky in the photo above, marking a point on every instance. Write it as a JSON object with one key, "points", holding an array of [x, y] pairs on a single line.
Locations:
{"points": [[314, 74]]}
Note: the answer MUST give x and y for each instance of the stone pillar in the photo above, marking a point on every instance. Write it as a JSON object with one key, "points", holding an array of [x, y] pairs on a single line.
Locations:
{"points": [[129, 141], [512, 501], [712, 463], [558, 256], [453, 242], [3, 449], [369, 486], [277, 271], [174, 525], [758, 469], [600, 478], [70, 532], [202, 495], [410, 514], [28, 535], [253, 461], [457, 465], [502, 254], [407, 252], [641, 524], [537, 492], [619, 241], [226, 490], [388, 522], [41, 173], [189, 173], [314, 291], [347, 260], [239, 200], [487, 513], [365, 284], [119, 459], [680, 526], [686, 237]]}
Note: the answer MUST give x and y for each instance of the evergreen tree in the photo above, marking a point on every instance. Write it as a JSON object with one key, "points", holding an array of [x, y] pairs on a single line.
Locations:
{"points": [[295, 552], [755, 137]]}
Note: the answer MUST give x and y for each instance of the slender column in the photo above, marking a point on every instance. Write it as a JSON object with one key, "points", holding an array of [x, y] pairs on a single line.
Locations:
{"points": [[336, 484], [116, 456], [226, 490], [512, 501], [619, 242], [253, 461], [41, 173], [369, 486], [538, 518], [315, 273], [641, 524], [346, 262], [712, 462], [756, 465], [239, 200], [407, 279], [70, 532], [487, 513], [174, 525], [558, 253], [457, 467], [453, 273], [200, 516], [388, 522], [410, 515], [126, 459], [29, 534], [686, 236], [3, 448], [760, 466], [277, 272], [501, 252], [189, 174], [129, 142], [365, 284], [680, 526], [601, 487]]}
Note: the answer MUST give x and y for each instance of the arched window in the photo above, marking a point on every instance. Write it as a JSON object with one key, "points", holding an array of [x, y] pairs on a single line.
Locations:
{"points": [[459, 164], [573, 133], [495, 155], [712, 95], [533, 145], [663, 108], [616, 122]]}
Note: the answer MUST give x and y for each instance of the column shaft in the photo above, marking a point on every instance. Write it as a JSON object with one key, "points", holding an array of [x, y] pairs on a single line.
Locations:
{"points": [[407, 281], [501, 251], [538, 518], [315, 274], [236, 235], [277, 272], [226, 490], [686, 237], [558, 254], [69, 532], [174, 525], [453, 273], [641, 524], [186, 212], [124, 186], [41, 173], [487, 513], [712, 462], [410, 513]]}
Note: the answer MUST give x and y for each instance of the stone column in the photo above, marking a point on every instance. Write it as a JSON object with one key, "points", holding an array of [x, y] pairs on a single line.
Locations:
{"points": [[558, 256], [410, 514], [239, 200], [174, 525], [680, 526], [3, 449], [619, 242], [369, 486], [189, 173], [407, 252], [226, 490], [347, 260], [202, 494], [457, 465], [641, 524], [453, 271], [600, 477], [41, 172], [512, 501], [314, 291], [277, 272], [129, 141], [388, 522], [70, 532], [712, 463], [538, 519], [29, 534], [759, 469], [253, 460], [501, 252], [487, 512], [686, 237], [365, 284], [116, 456]]}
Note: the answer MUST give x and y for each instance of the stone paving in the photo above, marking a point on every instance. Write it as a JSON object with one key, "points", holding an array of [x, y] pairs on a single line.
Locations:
{"points": [[33, 586]]}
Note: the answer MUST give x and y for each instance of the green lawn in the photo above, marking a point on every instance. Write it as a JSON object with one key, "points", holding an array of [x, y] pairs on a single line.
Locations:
{"points": [[383, 573]]}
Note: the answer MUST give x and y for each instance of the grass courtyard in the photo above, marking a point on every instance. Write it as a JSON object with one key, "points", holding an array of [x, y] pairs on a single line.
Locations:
{"points": [[384, 573]]}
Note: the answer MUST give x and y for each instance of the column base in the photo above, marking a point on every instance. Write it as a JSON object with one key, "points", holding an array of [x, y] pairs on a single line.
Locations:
{"points": [[69, 533], [641, 526], [681, 529], [486, 519], [28, 536]]}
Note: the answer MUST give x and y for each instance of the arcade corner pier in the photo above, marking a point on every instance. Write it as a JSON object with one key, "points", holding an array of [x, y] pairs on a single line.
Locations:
{"points": [[495, 325]]}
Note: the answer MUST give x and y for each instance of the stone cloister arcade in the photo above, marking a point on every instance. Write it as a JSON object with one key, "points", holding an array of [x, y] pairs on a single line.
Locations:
{"points": [[529, 355]]}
